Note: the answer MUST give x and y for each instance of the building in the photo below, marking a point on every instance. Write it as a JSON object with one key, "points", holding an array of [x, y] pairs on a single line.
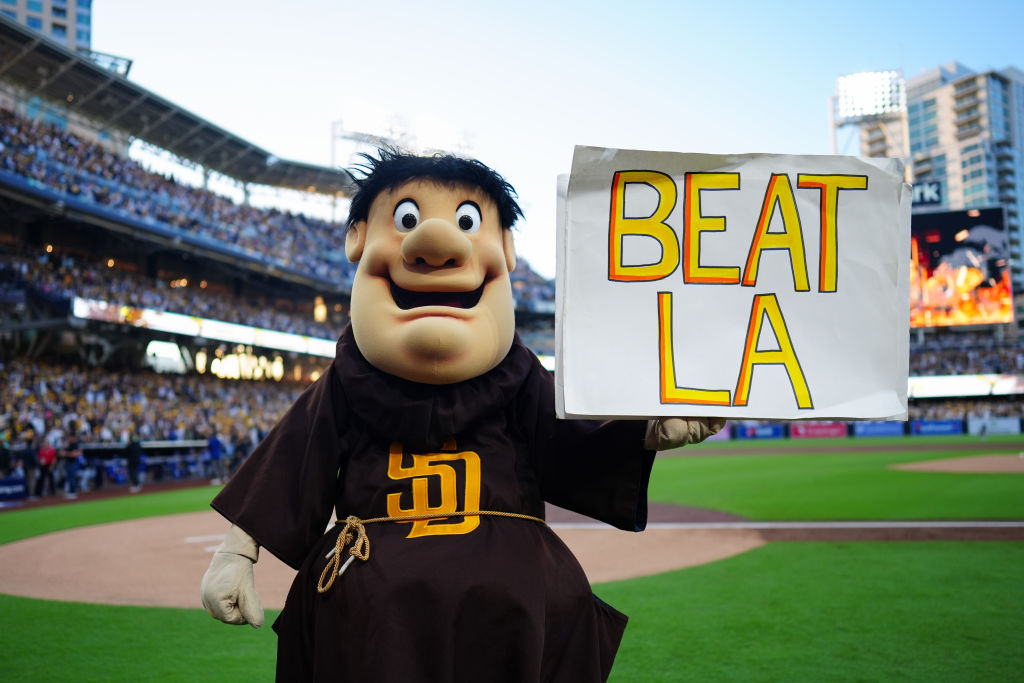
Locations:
{"points": [[960, 133], [966, 135], [68, 22]]}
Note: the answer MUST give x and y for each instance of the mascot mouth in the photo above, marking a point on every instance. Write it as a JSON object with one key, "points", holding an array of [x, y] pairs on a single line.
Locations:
{"points": [[407, 299]]}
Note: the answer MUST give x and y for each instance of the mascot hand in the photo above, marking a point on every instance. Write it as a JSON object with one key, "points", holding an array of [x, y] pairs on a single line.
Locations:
{"points": [[666, 433], [228, 588]]}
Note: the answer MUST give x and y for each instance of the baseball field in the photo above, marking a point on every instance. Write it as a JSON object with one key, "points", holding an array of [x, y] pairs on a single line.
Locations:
{"points": [[839, 560]]}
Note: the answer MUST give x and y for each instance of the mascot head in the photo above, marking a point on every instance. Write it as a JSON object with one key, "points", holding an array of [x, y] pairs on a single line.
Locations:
{"points": [[432, 298]]}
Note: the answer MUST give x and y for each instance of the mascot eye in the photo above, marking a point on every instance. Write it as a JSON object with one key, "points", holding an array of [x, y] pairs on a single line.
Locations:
{"points": [[407, 215], [467, 217]]}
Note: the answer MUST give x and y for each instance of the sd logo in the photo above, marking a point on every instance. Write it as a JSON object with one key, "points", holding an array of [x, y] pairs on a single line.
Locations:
{"points": [[433, 468]]}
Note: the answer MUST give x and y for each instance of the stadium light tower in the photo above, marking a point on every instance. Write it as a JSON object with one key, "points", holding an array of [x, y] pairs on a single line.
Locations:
{"points": [[398, 136], [364, 141], [876, 102]]}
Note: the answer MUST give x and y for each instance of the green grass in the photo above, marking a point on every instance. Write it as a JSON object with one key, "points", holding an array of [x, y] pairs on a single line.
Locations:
{"points": [[925, 611], [18, 524], [65, 641], [933, 611], [937, 611], [815, 485]]}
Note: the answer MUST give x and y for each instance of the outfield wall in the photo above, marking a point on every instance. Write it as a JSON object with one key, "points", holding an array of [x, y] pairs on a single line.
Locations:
{"points": [[870, 428]]}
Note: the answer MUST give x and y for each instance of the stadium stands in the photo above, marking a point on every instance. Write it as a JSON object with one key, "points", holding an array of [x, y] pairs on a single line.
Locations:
{"points": [[61, 276], [46, 155], [965, 353], [60, 161], [71, 202]]}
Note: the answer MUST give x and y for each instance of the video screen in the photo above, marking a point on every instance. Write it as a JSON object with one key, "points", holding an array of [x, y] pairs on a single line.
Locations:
{"points": [[960, 268]]}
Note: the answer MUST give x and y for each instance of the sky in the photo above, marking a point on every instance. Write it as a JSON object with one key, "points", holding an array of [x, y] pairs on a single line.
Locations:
{"points": [[524, 82]]}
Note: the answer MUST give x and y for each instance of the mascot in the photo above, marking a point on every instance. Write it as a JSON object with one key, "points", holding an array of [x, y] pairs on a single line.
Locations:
{"points": [[433, 438]]}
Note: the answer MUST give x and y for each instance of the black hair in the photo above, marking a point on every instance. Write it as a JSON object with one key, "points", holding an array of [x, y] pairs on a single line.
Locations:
{"points": [[393, 167]]}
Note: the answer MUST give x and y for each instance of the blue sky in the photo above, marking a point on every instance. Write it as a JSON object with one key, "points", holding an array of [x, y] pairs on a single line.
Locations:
{"points": [[526, 81]]}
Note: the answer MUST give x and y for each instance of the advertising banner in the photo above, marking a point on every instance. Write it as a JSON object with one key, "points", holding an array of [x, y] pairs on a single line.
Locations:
{"points": [[13, 488], [872, 428], [205, 328], [939, 386], [770, 431], [743, 286], [993, 425], [818, 430], [926, 427]]}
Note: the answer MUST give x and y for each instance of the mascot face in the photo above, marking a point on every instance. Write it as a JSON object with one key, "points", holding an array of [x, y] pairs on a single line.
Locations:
{"points": [[432, 299]]}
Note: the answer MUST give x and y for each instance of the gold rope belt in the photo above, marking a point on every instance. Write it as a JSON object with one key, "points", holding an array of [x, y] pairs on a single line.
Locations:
{"points": [[361, 547]]}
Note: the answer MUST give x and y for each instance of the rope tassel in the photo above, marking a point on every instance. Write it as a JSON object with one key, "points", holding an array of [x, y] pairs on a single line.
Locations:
{"points": [[360, 549]]}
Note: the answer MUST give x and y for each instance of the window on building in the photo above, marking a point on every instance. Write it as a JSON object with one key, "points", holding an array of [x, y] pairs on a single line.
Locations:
{"points": [[83, 18], [59, 12], [34, 22], [9, 13], [12, 3], [59, 31], [34, 6], [82, 37]]}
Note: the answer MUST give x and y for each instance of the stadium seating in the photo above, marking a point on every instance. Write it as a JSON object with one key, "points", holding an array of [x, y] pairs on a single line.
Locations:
{"points": [[44, 398]]}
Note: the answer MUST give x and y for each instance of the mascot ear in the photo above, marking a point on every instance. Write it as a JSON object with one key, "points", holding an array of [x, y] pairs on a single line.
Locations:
{"points": [[355, 238], [508, 244]]}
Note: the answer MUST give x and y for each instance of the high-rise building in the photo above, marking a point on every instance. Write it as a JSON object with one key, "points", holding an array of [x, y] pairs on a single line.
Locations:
{"points": [[961, 135], [68, 22]]}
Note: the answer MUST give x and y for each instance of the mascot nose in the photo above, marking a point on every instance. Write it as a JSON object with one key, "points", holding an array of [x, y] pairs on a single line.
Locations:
{"points": [[438, 243]]}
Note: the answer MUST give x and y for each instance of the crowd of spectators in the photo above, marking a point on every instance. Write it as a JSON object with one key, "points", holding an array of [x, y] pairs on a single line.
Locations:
{"points": [[49, 413], [59, 408], [965, 353], [964, 409], [47, 154], [969, 361], [62, 161], [61, 277]]}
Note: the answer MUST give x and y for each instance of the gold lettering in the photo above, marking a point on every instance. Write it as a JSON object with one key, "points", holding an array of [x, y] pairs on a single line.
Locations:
{"points": [[427, 465]]}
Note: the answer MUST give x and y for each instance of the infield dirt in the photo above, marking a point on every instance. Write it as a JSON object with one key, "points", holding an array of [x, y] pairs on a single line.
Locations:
{"points": [[160, 561]]}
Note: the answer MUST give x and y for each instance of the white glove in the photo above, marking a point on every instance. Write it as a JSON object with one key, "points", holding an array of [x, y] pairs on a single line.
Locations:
{"points": [[666, 433], [229, 588]]}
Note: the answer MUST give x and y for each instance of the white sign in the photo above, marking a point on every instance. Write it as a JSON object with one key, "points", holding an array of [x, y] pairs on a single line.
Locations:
{"points": [[745, 286]]}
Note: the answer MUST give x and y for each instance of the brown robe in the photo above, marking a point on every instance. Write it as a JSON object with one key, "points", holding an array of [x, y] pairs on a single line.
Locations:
{"points": [[459, 598]]}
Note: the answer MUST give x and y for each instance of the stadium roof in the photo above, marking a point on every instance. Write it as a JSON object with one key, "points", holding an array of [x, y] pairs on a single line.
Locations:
{"points": [[43, 68]]}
